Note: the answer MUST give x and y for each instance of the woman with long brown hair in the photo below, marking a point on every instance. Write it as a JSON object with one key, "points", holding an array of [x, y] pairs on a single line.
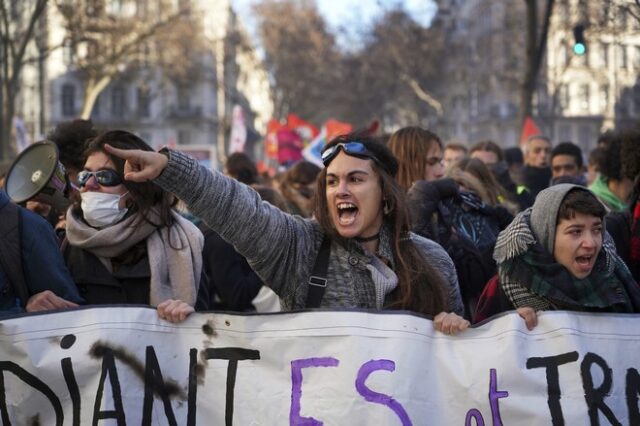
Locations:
{"points": [[371, 259]]}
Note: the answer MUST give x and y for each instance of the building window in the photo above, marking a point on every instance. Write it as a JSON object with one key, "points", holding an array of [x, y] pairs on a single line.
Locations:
{"points": [[637, 56], [184, 98], [68, 100], [622, 18], [622, 53], [605, 9], [604, 49], [564, 97], [583, 96], [67, 52], [604, 98], [117, 102], [144, 102]]}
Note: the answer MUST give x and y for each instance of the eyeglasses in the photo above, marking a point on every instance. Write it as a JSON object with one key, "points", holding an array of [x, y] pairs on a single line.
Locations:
{"points": [[356, 149], [106, 177]]}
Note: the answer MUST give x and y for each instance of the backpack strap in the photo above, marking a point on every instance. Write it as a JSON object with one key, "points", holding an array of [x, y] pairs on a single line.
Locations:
{"points": [[11, 228], [318, 278]]}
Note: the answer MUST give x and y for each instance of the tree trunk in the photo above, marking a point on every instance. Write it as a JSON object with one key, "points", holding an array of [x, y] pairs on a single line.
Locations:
{"points": [[92, 90], [536, 46]]}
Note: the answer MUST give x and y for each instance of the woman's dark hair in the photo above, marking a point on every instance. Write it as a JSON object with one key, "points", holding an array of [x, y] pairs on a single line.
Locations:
{"points": [[610, 165], [71, 138], [580, 201], [240, 167], [420, 285], [144, 195], [630, 153]]}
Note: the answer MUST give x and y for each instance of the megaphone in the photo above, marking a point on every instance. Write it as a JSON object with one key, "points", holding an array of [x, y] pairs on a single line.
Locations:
{"points": [[38, 175]]}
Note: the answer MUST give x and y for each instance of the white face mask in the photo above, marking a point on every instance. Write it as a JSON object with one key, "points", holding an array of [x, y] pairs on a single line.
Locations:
{"points": [[100, 209]]}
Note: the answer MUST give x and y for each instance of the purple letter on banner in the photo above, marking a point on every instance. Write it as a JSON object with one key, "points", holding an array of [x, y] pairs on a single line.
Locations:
{"points": [[494, 396], [296, 388], [379, 398]]}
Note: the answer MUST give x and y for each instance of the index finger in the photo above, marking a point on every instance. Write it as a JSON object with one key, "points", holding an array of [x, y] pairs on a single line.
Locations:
{"points": [[125, 154]]}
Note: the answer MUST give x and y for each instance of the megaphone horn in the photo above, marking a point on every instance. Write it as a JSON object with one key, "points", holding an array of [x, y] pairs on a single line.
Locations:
{"points": [[38, 175]]}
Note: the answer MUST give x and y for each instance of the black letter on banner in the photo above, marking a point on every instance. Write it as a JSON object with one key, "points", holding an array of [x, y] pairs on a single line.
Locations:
{"points": [[551, 364], [233, 355], [74, 392], [593, 396], [153, 382], [32, 381], [633, 389], [193, 387], [109, 364]]}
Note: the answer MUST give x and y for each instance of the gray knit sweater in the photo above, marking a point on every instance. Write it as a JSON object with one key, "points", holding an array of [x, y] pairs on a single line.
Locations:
{"points": [[282, 248]]}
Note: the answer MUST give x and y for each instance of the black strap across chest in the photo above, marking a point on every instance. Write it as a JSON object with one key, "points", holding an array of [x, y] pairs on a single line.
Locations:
{"points": [[318, 278]]}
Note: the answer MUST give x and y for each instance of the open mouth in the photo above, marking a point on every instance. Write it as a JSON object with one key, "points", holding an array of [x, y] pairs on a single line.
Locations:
{"points": [[584, 262], [347, 213]]}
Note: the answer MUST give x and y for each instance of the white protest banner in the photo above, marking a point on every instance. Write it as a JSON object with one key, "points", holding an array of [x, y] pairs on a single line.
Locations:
{"points": [[122, 365]]}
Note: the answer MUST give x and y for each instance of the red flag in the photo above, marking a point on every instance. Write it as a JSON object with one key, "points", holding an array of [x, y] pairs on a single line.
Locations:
{"points": [[271, 140], [337, 128], [306, 130], [529, 129]]}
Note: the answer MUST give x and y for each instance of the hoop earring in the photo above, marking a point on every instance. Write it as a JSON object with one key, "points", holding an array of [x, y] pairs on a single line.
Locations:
{"points": [[386, 208]]}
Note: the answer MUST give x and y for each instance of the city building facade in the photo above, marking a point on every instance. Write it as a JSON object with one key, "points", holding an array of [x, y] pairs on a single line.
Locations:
{"points": [[577, 96], [192, 111]]}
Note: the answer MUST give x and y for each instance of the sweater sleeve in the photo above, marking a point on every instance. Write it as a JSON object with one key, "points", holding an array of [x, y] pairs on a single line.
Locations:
{"points": [[278, 246]]}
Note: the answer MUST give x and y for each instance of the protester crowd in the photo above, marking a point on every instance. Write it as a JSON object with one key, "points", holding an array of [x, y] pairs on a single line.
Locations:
{"points": [[454, 232]]}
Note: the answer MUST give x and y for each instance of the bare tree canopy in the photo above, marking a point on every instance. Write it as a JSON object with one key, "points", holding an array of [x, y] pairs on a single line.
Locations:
{"points": [[301, 56], [18, 28], [387, 78], [108, 39]]}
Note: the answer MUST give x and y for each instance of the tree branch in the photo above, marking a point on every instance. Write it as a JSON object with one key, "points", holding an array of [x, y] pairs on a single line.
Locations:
{"points": [[422, 94]]}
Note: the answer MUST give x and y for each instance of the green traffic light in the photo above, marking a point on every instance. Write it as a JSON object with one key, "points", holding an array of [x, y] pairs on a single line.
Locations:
{"points": [[579, 49]]}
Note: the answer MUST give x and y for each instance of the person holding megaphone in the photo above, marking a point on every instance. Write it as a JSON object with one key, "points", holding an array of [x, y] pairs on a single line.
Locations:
{"points": [[33, 276], [124, 241]]}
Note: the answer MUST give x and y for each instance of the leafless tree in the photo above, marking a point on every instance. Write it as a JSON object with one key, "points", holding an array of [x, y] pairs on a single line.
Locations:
{"points": [[536, 42], [18, 27], [117, 37], [301, 57]]}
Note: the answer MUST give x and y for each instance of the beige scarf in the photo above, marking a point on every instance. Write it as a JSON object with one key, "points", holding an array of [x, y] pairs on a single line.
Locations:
{"points": [[175, 253]]}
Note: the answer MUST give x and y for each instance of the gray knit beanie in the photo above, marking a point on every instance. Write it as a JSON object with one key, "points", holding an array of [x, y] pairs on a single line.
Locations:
{"points": [[544, 213]]}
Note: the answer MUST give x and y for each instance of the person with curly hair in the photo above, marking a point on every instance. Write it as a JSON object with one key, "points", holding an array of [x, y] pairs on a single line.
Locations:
{"points": [[624, 225], [612, 187]]}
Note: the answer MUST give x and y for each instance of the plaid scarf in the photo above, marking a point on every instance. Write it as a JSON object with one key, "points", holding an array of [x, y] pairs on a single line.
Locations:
{"points": [[530, 276]]}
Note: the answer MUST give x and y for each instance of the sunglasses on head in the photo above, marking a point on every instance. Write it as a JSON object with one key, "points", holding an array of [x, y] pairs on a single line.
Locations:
{"points": [[355, 149], [106, 177]]}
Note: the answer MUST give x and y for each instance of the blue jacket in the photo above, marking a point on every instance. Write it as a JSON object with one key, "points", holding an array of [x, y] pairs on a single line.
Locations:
{"points": [[42, 265]]}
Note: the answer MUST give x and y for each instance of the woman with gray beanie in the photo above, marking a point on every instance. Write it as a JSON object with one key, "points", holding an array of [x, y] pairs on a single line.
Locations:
{"points": [[557, 255]]}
